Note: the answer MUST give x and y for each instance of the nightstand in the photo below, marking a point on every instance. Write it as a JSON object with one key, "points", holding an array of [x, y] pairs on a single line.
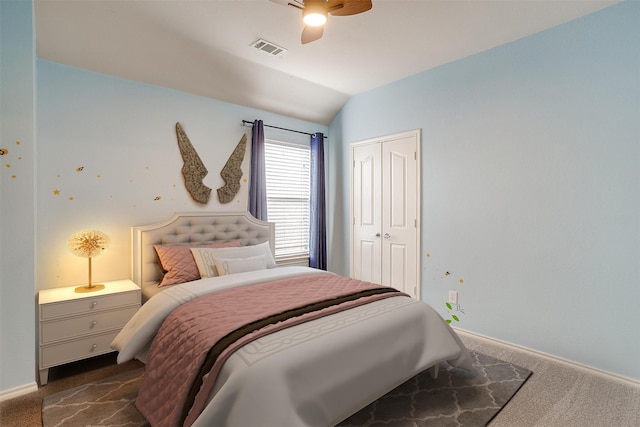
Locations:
{"points": [[75, 326]]}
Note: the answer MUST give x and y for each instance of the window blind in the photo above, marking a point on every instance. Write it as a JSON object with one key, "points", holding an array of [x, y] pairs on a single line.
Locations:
{"points": [[288, 184]]}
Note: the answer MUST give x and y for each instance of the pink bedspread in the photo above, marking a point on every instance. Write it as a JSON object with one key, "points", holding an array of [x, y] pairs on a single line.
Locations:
{"points": [[176, 387]]}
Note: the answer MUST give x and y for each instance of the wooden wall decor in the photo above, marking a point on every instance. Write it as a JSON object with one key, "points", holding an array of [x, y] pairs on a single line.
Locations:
{"points": [[193, 169], [232, 172]]}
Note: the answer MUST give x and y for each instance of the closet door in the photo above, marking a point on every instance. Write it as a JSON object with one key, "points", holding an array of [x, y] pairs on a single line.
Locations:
{"points": [[385, 201], [366, 252], [400, 239]]}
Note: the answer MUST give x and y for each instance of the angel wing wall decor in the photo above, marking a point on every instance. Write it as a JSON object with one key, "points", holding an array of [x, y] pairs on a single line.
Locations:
{"points": [[193, 169], [232, 172]]}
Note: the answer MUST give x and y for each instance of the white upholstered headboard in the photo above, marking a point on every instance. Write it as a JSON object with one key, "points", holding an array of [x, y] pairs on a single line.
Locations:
{"points": [[192, 228]]}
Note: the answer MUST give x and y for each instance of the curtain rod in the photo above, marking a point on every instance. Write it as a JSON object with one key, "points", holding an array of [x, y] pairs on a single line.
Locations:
{"points": [[247, 122]]}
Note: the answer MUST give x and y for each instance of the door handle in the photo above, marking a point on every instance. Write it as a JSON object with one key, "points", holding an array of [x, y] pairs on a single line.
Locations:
{"points": [[387, 236], [375, 235]]}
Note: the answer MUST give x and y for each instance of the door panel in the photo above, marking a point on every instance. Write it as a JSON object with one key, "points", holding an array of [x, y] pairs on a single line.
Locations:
{"points": [[369, 255], [398, 259], [366, 222], [398, 189], [368, 170], [399, 214]]}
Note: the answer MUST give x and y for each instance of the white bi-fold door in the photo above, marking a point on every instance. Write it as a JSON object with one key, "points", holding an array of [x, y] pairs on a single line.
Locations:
{"points": [[385, 206]]}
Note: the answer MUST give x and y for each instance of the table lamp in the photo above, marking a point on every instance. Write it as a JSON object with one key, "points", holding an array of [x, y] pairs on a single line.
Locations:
{"points": [[88, 244]]}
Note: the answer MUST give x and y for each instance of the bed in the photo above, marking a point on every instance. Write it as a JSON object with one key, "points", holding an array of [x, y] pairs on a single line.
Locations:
{"points": [[314, 368]]}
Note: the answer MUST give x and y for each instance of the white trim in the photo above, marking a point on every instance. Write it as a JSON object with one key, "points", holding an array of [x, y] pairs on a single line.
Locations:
{"points": [[589, 369], [18, 391], [293, 260]]}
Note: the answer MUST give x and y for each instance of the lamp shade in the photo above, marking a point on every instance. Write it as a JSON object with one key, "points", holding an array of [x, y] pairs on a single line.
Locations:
{"points": [[88, 243]]}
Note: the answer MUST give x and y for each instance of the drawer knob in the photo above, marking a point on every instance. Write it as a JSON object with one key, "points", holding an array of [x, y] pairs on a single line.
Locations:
{"points": [[94, 323], [94, 303], [93, 347]]}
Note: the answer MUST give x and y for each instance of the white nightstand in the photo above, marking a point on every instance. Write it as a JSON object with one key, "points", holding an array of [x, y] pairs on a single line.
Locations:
{"points": [[76, 326]]}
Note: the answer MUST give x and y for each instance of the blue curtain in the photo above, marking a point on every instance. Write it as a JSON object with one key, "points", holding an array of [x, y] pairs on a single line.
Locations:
{"points": [[257, 182], [318, 227]]}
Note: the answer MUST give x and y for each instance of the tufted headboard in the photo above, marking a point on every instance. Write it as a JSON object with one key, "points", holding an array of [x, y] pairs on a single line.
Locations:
{"points": [[191, 228]]}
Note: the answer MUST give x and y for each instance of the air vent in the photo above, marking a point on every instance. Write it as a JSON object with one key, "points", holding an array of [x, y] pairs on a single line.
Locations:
{"points": [[268, 47]]}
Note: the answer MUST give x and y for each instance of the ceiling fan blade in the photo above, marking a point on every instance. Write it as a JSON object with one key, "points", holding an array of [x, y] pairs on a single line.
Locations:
{"points": [[310, 34], [347, 7], [294, 3]]}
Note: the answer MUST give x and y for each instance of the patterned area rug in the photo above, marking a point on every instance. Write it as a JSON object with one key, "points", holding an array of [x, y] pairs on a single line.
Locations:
{"points": [[455, 398]]}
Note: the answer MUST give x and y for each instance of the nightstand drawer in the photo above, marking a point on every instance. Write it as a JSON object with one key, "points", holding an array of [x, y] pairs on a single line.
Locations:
{"points": [[83, 325], [88, 305], [57, 354]]}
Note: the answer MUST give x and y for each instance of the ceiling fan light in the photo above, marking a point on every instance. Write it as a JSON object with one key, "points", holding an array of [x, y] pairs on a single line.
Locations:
{"points": [[314, 15]]}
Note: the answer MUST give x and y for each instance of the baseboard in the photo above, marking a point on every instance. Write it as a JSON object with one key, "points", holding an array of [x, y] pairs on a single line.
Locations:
{"points": [[590, 369], [18, 391]]}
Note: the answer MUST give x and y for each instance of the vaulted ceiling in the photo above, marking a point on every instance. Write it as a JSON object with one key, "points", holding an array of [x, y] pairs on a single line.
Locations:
{"points": [[204, 47]]}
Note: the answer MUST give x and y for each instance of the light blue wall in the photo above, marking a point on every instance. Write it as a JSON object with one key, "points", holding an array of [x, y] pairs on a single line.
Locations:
{"points": [[108, 158], [17, 130], [531, 186]]}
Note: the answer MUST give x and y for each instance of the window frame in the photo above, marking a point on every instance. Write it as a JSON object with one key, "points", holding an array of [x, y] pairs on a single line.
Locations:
{"points": [[292, 257]]}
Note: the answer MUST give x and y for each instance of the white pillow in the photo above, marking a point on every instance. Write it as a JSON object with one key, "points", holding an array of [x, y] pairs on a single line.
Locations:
{"points": [[205, 256], [226, 266]]}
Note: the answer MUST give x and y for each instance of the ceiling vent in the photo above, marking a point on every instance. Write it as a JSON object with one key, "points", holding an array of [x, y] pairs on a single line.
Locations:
{"points": [[268, 47]]}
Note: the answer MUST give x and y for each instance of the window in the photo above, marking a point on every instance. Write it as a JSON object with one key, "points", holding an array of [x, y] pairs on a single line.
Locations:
{"points": [[288, 184]]}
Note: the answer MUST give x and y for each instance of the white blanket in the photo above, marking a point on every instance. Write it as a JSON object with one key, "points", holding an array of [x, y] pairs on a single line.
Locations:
{"points": [[314, 374]]}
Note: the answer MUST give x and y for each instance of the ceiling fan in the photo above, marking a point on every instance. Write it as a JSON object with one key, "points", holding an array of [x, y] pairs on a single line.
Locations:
{"points": [[314, 13]]}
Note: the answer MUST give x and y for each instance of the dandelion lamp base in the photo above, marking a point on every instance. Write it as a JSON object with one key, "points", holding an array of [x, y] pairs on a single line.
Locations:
{"points": [[92, 288]]}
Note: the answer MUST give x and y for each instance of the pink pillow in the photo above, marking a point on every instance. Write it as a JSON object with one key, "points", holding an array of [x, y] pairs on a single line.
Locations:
{"points": [[178, 263]]}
